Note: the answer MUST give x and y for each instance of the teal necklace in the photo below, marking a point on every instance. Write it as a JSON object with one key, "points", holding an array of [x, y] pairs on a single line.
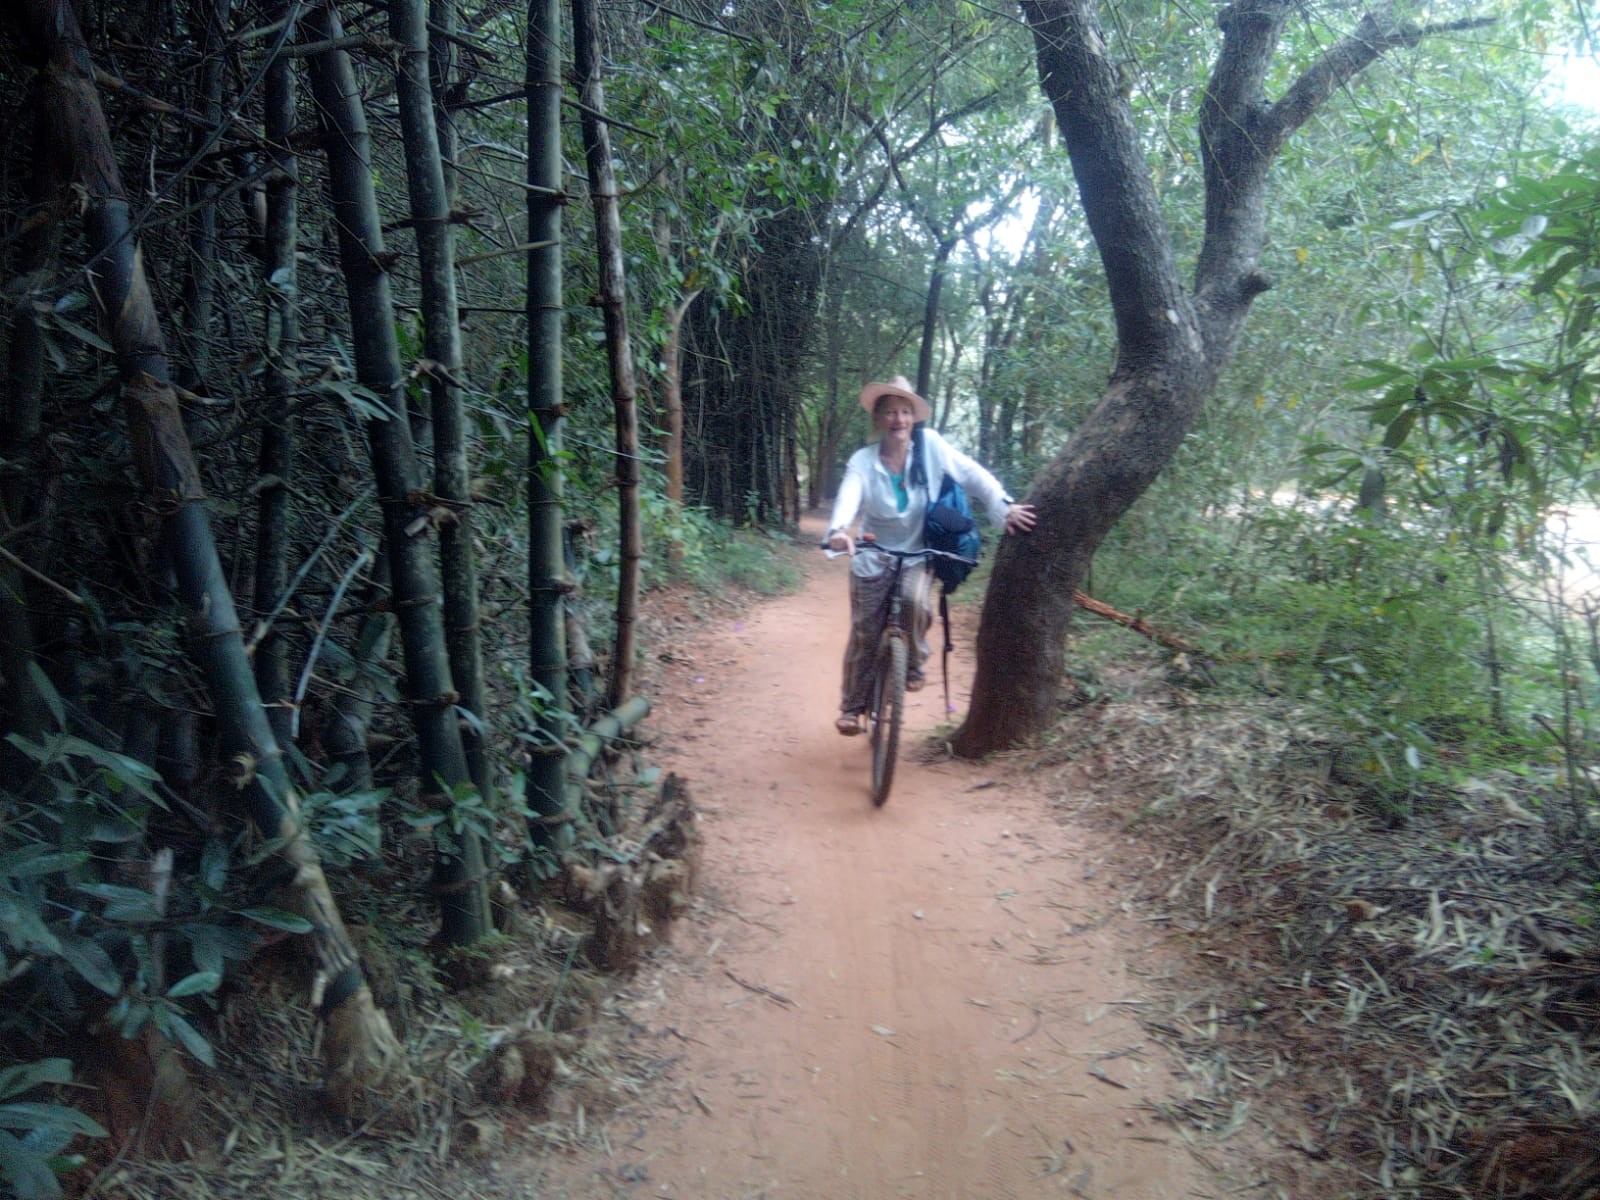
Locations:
{"points": [[901, 496]]}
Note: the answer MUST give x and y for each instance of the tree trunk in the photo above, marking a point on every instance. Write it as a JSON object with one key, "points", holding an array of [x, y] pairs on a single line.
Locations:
{"points": [[360, 1047], [930, 317], [1171, 344], [672, 397], [670, 411], [547, 577], [431, 694], [613, 296], [441, 336]]}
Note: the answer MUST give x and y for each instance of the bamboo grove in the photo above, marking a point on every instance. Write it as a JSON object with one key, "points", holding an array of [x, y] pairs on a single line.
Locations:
{"points": [[294, 519], [250, 430]]}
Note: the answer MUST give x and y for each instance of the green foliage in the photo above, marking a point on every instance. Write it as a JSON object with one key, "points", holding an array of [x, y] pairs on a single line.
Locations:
{"points": [[34, 1134], [72, 925], [709, 554], [464, 809], [1381, 550], [76, 930], [345, 826], [1378, 631]]}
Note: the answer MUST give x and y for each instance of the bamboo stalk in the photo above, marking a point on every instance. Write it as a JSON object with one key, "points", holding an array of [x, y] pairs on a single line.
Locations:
{"points": [[199, 291], [547, 579], [281, 370], [25, 708], [612, 298], [597, 737], [441, 335], [431, 691]]}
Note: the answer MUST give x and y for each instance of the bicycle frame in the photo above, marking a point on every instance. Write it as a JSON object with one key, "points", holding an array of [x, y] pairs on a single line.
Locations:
{"points": [[889, 665]]}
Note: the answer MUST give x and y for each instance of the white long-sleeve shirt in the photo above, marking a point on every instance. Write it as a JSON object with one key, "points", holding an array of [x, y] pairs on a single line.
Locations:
{"points": [[868, 493]]}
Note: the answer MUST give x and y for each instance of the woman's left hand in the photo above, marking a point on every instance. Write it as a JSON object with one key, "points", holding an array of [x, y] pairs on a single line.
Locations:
{"points": [[1020, 518]]}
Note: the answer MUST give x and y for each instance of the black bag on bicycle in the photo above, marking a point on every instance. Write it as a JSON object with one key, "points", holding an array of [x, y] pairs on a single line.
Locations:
{"points": [[950, 527]]}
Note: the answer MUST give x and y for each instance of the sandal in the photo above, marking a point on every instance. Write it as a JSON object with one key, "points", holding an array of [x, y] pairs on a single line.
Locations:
{"points": [[848, 724], [915, 685]]}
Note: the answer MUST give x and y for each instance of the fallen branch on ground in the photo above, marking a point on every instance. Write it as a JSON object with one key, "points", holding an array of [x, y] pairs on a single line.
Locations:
{"points": [[1137, 624]]}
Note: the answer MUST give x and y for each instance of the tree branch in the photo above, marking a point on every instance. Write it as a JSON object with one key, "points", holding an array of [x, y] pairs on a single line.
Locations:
{"points": [[1375, 35]]}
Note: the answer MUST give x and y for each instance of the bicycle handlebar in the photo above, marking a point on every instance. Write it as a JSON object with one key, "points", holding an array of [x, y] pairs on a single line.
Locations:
{"points": [[926, 552]]}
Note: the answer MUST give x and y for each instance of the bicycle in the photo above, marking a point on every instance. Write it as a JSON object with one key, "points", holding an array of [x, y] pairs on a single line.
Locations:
{"points": [[889, 667]]}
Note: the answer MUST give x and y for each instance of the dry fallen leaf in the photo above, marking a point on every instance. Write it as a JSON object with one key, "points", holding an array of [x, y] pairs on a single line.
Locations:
{"points": [[1361, 910]]}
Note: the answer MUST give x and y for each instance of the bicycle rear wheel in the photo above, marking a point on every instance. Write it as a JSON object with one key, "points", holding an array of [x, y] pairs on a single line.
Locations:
{"points": [[888, 702]]}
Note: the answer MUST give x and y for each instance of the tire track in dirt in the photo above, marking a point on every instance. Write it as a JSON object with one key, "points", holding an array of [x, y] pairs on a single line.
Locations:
{"points": [[924, 1001]]}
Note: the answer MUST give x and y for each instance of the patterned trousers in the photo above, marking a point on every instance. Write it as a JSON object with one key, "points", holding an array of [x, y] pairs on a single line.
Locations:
{"points": [[869, 609]]}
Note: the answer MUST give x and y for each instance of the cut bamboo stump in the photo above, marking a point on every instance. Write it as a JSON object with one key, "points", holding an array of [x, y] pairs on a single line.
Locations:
{"points": [[634, 897]]}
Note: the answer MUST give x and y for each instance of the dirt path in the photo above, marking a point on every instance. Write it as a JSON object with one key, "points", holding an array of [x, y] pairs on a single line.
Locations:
{"points": [[928, 1000]]}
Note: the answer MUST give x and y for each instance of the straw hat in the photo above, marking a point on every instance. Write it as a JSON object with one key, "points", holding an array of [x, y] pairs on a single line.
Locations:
{"points": [[898, 386]]}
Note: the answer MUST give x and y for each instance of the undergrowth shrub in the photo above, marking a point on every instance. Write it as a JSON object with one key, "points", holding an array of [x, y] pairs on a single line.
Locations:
{"points": [[1418, 671], [694, 547]]}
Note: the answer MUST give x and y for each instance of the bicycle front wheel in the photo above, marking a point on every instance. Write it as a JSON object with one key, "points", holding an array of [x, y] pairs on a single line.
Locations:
{"points": [[888, 702]]}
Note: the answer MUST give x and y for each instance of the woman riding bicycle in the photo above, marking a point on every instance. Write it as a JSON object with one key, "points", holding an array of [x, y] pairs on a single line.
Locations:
{"points": [[887, 485]]}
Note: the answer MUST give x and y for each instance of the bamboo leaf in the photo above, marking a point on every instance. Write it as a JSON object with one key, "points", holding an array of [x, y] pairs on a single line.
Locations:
{"points": [[33, 861], [27, 1171], [277, 918], [84, 335], [89, 959], [27, 1076], [47, 690], [123, 903], [214, 864], [128, 771], [194, 985], [22, 925], [27, 1114], [191, 1038]]}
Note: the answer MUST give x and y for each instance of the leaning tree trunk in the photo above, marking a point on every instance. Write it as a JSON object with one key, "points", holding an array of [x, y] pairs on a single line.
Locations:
{"points": [[441, 337], [613, 295], [1171, 343], [547, 578], [362, 1051], [459, 867]]}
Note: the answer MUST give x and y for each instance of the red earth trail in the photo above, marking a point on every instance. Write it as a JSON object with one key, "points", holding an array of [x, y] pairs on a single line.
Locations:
{"points": [[928, 1000]]}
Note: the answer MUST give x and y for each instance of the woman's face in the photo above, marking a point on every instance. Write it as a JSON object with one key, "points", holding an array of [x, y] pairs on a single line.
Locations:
{"points": [[894, 415]]}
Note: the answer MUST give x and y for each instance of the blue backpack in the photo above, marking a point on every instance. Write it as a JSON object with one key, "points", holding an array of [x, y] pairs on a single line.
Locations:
{"points": [[950, 527]]}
